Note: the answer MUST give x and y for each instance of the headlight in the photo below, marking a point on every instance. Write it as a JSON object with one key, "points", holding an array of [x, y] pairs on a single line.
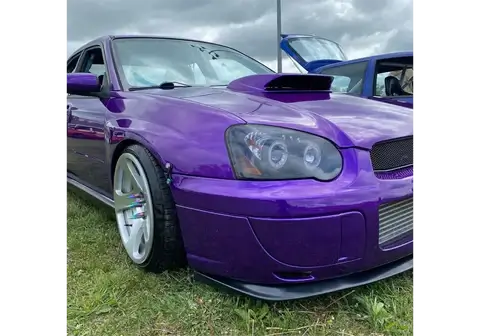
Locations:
{"points": [[275, 153]]}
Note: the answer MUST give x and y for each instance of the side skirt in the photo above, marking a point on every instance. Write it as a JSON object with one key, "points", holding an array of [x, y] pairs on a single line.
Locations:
{"points": [[92, 193]]}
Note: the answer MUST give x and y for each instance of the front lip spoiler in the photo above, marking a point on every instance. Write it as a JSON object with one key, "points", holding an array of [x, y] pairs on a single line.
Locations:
{"points": [[307, 290]]}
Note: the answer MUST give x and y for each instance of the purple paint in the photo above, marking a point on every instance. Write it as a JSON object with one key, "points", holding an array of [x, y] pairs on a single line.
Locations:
{"points": [[253, 231], [82, 83]]}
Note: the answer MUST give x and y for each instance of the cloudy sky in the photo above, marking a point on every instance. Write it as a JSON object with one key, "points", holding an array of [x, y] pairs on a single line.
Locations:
{"points": [[362, 27]]}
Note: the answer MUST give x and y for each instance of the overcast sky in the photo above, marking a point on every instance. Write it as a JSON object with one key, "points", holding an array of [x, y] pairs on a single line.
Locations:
{"points": [[362, 27]]}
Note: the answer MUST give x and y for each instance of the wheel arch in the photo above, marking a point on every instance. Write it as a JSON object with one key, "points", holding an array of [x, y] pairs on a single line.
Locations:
{"points": [[132, 139]]}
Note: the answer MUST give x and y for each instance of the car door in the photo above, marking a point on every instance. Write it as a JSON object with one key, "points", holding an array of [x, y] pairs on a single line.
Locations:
{"points": [[86, 141], [311, 52], [400, 67], [70, 66]]}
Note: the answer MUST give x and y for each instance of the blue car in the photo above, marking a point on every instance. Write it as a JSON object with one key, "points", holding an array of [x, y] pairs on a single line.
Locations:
{"points": [[386, 77]]}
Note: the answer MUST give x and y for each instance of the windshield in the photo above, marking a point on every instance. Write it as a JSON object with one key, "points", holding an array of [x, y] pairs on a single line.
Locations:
{"points": [[147, 62], [315, 48]]}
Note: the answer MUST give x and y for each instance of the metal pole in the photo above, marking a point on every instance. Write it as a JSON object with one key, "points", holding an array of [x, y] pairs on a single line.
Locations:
{"points": [[279, 36]]}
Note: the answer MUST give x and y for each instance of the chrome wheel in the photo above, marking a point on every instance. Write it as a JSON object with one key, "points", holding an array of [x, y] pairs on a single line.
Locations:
{"points": [[133, 207]]}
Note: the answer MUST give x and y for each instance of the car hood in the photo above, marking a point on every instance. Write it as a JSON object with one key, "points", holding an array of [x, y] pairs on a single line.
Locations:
{"points": [[346, 120]]}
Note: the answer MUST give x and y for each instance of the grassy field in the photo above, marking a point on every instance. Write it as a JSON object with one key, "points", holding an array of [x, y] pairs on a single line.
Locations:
{"points": [[107, 295]]}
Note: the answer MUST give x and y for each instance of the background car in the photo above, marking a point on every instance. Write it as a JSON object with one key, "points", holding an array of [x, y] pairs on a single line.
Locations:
{"points": [[386, 77]]}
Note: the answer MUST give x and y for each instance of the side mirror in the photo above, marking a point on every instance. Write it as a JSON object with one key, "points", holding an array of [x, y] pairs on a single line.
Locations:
{"points": [[82, 83]]}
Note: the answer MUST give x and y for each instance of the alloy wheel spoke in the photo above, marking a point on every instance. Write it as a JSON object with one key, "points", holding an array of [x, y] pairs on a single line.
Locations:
{"points": [[123, 201], [135, 238], [146, 231], [136, 180]]}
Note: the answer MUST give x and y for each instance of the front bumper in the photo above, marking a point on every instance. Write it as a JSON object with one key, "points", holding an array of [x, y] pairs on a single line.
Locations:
{"points": [[289, 232]]}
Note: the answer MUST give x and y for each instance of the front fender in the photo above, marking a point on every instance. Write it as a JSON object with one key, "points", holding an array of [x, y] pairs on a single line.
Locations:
{"points": [[189, 136], [122, 139]]}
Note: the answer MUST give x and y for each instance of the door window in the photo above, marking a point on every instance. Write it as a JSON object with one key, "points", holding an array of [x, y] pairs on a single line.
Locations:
{"points": [[348, 77], [73, 63], [401, 68], [93, 62]]}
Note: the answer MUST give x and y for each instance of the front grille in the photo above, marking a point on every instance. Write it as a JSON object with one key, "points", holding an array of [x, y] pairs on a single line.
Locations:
{"points": [[392, 154], [395, 221]]}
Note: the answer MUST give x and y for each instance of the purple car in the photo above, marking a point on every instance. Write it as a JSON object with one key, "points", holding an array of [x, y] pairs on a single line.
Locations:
{"points": [[268, 184], [386, 77]]}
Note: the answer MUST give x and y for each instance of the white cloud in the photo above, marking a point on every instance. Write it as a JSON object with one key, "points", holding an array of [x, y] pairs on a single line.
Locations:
{"points": [[362, 26]]}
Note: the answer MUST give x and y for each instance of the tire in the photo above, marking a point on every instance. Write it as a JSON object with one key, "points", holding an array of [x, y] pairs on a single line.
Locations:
{"points": [[163, 248]]}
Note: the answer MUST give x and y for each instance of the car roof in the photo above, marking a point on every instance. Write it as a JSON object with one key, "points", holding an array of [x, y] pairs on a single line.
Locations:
{"points": [[368, 58]]}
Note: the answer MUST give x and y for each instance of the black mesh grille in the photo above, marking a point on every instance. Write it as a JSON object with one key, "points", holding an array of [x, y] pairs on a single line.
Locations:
{"points": [[392, 154]]}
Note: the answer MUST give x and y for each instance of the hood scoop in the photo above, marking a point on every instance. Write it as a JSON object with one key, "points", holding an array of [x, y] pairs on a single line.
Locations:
{"points": [[282, 83]]}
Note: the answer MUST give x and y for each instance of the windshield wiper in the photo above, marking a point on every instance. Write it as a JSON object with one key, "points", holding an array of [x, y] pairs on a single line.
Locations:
{"points": [[163, 86]]}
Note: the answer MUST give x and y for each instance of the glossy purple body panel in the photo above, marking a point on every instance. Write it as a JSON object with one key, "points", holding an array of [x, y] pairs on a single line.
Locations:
{"points": [[82, 82], [252, 231]]}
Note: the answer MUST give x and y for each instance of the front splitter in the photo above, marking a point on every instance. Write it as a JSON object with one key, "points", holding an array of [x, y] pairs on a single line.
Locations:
{"points": [[310, 289]]}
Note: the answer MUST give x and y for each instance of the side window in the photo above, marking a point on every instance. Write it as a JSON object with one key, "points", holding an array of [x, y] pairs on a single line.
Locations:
{"points": [[380, 84], [73, 63], [93, 62], [404, 76], [340, 83], [347, 78]]}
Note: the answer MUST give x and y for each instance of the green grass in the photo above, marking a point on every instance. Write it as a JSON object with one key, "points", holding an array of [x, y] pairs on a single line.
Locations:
{"points": [[107, 295]]}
